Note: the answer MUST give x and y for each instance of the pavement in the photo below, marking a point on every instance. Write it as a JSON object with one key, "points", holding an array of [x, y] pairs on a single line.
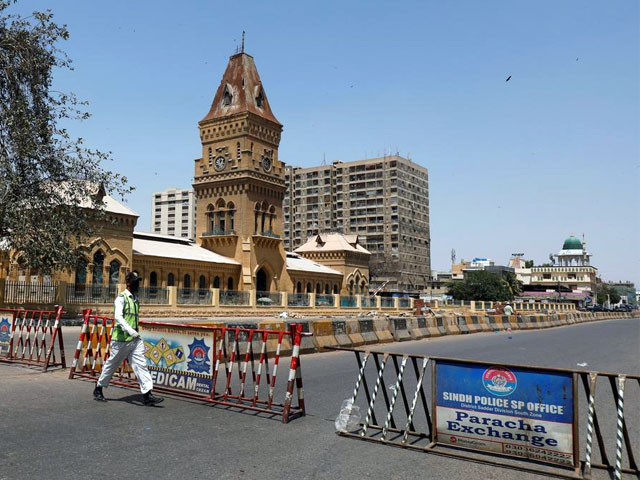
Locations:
{"points": [[51, 428]]}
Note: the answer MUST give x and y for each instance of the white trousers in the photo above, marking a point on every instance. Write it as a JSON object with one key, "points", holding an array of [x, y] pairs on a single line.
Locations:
{"points": [[134, 352]]}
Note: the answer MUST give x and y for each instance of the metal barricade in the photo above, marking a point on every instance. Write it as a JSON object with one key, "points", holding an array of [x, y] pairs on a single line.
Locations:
{"points": [[400, 403], [33, 336], [231, 366]]}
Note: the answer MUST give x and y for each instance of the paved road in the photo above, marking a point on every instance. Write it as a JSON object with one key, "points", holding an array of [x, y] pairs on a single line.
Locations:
{"points": [[50, 427]]}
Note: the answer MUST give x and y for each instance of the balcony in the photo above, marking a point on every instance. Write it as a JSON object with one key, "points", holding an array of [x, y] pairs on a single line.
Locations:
{"points": [[218, 231]]}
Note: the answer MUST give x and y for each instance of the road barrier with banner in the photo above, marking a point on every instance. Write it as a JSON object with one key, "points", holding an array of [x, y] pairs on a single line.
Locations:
{"points": [[222, 365], [497, 413], [32, 337]]}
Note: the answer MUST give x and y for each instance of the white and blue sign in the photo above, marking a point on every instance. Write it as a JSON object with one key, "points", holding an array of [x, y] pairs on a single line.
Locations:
{"points": [[508, 410], [179, 358], [5, 333]]}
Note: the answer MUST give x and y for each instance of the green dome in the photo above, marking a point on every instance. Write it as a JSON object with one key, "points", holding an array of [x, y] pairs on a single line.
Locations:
{"points": [[572, 243]]}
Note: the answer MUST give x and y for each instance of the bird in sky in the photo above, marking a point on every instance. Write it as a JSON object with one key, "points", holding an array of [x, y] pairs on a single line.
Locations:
{"points": [[508, 78]]}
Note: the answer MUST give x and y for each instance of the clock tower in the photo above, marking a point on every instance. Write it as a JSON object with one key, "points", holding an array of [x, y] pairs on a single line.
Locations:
{"points": [[239, 180]]}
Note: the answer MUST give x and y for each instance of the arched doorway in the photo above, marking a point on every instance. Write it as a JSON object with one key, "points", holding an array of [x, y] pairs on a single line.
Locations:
{"points": [[262, 281]]}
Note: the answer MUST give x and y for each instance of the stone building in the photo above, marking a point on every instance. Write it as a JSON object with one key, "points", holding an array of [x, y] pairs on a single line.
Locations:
{"points": [[239, 188]]}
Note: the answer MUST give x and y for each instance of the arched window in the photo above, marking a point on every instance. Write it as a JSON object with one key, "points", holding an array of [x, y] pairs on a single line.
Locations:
{"points": [[114, 272], [210, 218], [238, 157], [309, 289], [232, 212], [153, 279], [210, 155], [299, 287], [202, 282], [272, 216], [227, 98], [327, 289], [363, 288], [264, 217], [318, 288], [98, 267], [81, 272], [230, 283], [335, 289], [220, 217], [351, 287], [171, 280], [187, 281]]}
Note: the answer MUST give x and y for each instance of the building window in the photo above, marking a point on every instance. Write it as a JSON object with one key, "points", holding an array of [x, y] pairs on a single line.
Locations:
{"points": [[114, 272], [98, 267], [187, 281], [153, 279], [170, 280], [81, 272], [216, 282], [230, 283]]}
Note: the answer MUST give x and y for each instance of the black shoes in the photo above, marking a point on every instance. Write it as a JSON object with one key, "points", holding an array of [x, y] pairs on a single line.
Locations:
{"points": [[97, 394], [149, 400]]}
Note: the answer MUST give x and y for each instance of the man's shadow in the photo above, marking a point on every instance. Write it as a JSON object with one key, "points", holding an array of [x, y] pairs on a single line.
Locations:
{"points": [[134, 399]]}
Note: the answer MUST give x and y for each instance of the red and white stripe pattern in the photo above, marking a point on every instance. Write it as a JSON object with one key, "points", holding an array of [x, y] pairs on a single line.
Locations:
{"points": [[33, 337]]}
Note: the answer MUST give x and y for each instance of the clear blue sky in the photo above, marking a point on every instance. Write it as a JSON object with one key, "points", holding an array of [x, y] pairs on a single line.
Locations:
{"points": [[514, 166]]}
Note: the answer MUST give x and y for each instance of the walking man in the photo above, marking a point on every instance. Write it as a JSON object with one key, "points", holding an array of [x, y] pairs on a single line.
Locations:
{"points": [[126, 343]]}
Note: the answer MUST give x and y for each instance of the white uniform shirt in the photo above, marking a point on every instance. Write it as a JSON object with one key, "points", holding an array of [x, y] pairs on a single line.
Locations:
{"points": [[118, 316]]}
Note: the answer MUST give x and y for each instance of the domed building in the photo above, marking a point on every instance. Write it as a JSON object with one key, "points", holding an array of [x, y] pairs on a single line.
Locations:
{"points": [[570, 277]]}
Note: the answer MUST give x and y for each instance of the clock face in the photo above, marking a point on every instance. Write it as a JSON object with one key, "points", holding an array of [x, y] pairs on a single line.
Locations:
{"points": [[221, 162], [267, 164]]}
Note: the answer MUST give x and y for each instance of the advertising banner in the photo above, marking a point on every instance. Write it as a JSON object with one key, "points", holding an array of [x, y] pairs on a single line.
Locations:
{"points": [[5, 332], [507, 410], [179, 358]]}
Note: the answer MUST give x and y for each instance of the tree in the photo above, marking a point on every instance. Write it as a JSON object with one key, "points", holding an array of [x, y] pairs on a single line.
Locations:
{"points": [[604, 290], [528, 264], [513, 284], [48, 180], [481, 285]]}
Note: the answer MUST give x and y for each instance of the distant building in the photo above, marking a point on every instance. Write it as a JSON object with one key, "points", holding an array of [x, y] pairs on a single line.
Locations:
{"points": [[478, 263], [523, 274], [384, 201], [173, 213], [627, 291], [570, 277]]}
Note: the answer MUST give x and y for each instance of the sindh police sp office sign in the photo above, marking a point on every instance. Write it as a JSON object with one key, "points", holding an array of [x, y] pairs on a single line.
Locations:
{"points": [[515, 411]]}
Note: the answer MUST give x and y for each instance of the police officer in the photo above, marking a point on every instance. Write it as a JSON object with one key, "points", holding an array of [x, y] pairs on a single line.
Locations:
{"points": [[126, 343]]}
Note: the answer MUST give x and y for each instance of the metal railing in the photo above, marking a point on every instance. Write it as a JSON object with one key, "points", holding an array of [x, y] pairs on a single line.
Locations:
{"points": [[387, 302], [325, 300], [298, 300], [234, 297], [268, 299], [348, 301], [23, 292], [218, 231], [194, 296], [153, 295], [369, 302], [91, 293]]}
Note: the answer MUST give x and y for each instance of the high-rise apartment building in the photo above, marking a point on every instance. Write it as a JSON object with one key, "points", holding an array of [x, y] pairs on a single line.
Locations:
{"points": [[385, 201], [174, 213]]}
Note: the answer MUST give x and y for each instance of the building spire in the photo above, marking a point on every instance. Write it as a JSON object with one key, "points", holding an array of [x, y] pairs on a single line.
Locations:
{"points": [[242, 48]]}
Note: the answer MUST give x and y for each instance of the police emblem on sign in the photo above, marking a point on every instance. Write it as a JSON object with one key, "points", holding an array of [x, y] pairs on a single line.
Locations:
{"points": [[5, 330], [198, 356], [499, 381]]}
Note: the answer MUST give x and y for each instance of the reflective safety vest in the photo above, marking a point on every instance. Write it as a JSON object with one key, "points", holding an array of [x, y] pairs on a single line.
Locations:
{"points": [[130, 313]]}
